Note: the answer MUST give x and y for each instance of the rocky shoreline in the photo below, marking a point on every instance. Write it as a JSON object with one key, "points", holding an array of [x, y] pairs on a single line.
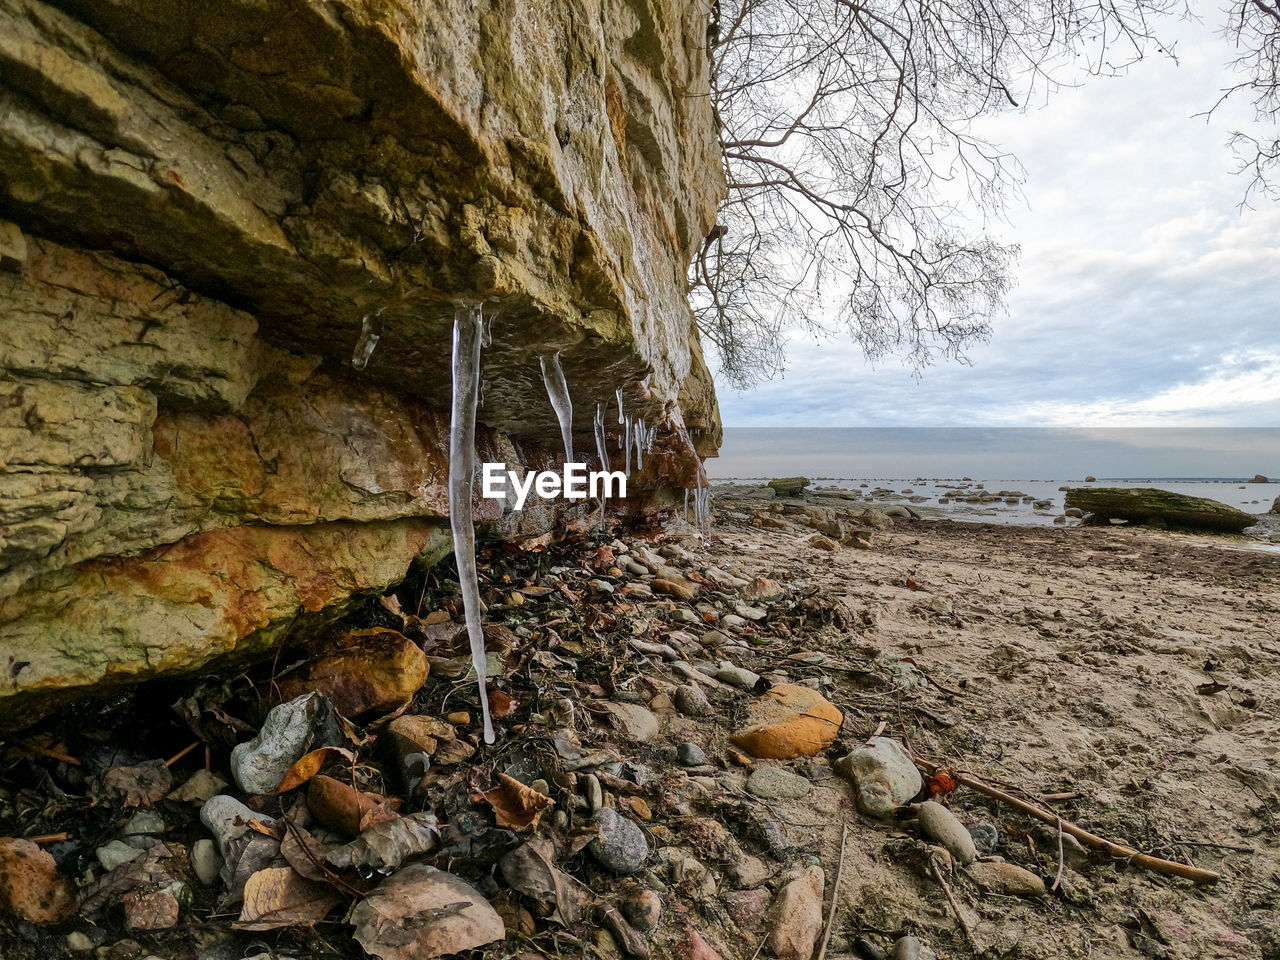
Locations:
{"points": [[694, 741]]}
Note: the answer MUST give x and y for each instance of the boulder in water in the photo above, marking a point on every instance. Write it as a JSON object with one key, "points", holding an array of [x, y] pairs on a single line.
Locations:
{"points": [[1146, 505]]}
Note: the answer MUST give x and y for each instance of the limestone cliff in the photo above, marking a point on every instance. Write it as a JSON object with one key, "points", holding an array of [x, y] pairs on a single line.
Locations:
{"points": [[203, 202]]}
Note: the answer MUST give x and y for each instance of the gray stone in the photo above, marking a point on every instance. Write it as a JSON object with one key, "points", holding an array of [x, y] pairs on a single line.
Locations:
{"points": [[259, 765], [621, 846], [689, 754], [775, 783], [691, 701], [737, 676], [78, 942], [986, 837], [1006, 878], [634, 721], [227, 819], [883, 774], [912, 948], [116, 853]]}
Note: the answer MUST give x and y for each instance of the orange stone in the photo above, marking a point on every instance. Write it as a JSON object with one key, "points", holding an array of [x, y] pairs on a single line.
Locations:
{"points": [[789, 721]]}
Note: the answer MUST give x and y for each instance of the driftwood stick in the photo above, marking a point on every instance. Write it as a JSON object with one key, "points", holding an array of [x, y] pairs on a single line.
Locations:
{"points": [[1119, 851], [951, 899], [835, 897]]}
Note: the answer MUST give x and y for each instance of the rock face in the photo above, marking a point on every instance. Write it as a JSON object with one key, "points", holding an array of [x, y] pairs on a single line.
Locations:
{"points": [[200, 210], [1149, 506]]}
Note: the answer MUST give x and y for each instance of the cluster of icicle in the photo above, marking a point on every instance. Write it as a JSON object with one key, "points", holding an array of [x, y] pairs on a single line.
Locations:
{"points": [[470, 333]]}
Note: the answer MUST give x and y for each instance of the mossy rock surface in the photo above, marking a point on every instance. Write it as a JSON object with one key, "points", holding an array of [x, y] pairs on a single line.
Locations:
{"points": [[1147, 505]]}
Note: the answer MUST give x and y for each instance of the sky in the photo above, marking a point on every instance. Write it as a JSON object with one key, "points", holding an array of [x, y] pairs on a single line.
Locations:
{"points": [[1145, 296]]}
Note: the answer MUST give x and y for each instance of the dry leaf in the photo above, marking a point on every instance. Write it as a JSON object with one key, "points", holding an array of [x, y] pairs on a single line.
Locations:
{"points": [[501, 704], [304, 853], [529, 870], [279, 897], [516, 806], [139, 786], [30, 885], [311, 764], [344, 808], [421, 912], [387, 845]]}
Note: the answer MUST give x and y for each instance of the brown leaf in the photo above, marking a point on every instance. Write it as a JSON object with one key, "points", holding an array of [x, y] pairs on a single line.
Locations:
{"points": [[139, 786], [372, 670], [311, 764], [344, 808], [279, 897], [304, 853], [529, 870], [420, 912], [501, 704], [516, 806], [30, 885]]}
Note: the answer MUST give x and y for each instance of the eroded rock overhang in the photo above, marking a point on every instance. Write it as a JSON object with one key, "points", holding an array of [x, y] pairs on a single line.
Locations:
{"points": [[204, 202]]}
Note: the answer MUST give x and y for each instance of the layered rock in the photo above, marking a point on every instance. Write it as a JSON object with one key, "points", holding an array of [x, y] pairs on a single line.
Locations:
{"points": [[205, 203]]}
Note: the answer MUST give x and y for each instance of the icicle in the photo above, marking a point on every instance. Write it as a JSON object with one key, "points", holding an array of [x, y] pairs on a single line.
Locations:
{"points": [[370, 334], [637, 438], [602, 450], [467, 320], [620, 418], [686, 503], [626, 436], [558, 392]]}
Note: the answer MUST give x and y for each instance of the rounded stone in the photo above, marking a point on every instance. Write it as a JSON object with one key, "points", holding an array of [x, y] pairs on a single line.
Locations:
{"points": [[941, 825], [621, 846], [775, 783], [691, 701], [689, 754]]}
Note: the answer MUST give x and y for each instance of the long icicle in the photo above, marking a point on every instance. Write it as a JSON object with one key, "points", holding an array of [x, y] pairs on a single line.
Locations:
{"points": [[558, 392], [602, 451], [467, 333]]}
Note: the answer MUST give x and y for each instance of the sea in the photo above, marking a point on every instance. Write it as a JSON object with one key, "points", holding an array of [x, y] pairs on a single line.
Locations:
{"points": [[1029, 466]]}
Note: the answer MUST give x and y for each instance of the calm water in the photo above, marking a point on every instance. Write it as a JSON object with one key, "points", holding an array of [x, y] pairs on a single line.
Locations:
{"points": [[921, 466]]}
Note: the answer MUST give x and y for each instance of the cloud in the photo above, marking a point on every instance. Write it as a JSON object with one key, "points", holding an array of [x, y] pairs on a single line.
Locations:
{"points": [[1145, 295]]}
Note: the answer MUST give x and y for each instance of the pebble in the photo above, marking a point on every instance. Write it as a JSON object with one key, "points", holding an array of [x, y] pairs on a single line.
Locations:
{"points": [[775, 838], [78, 942], [748, 871], [621, 846], [732, 621], [737, 676], [941, 824], [205, 861], [258, 765], [144, 823], [642, 908], [775, 783], [912, 948], [883, 775], [693, 947], [985, 837], [799, 917], [634, 721], [116, 853], [748, 612], [594, 794], [149, 911], [1007, 878], [219, 814], [689, 754], [864, 948], [691, 701], [746, 907]]}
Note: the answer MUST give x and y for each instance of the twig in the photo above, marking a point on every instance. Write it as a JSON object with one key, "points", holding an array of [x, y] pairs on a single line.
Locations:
{"points": [[835, 896], [181, 753], [48, 752], [1062, 858], [50, 837], [1207, 843], [1069, 795], [951, 899], [1144, 860], [879, 730]]}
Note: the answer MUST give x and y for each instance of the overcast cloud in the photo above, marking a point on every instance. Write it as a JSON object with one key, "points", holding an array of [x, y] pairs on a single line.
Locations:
{"points": [[1144, 297]]}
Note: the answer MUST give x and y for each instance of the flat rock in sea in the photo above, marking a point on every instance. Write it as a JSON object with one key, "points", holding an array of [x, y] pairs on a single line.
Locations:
{"points": [[1146, 505]]}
